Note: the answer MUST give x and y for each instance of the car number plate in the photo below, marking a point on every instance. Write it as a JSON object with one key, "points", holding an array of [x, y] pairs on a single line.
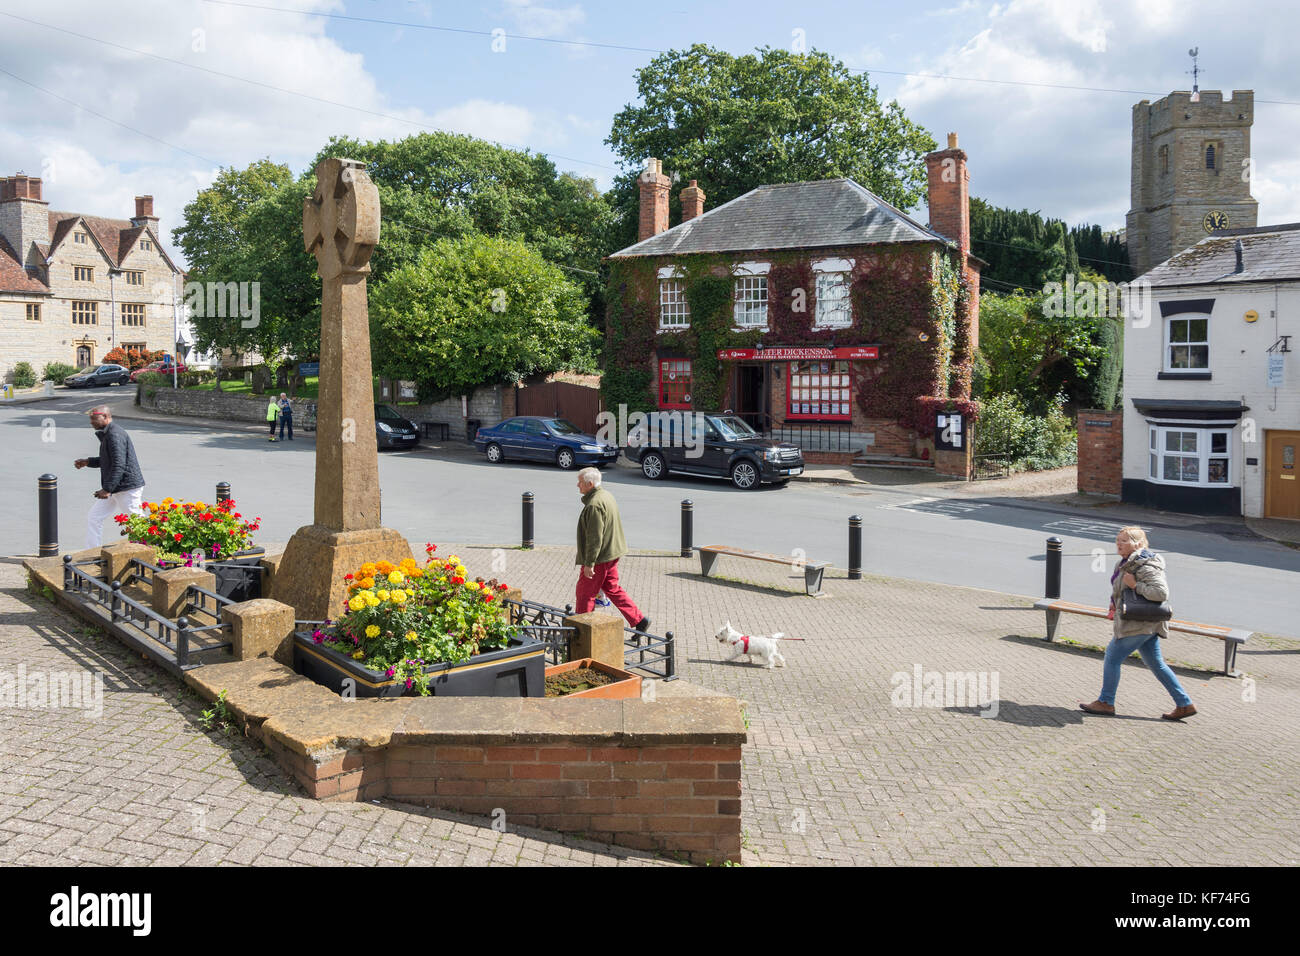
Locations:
{"points": [[794, 471]]}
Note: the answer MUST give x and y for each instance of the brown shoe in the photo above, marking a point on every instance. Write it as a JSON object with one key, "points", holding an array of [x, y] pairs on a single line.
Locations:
{"points": [[1097, 707], [1178, 713]]}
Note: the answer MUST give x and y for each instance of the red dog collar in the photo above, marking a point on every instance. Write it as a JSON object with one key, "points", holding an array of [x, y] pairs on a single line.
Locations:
{"points": [[745, 638]]}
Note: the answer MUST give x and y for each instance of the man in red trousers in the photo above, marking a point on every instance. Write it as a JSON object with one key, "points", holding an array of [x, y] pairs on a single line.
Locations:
{"points": [[600, 545]]}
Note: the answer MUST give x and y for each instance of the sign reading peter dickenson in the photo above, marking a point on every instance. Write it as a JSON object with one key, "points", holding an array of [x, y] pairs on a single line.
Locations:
{"points": [[949, 431]]}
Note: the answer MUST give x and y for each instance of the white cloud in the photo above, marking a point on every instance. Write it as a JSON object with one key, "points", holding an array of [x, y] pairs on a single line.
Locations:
{"points": [[535, 19]]}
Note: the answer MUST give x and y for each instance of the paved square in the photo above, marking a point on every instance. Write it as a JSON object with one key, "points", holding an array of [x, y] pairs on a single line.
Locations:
{"points": [[833, 773]]}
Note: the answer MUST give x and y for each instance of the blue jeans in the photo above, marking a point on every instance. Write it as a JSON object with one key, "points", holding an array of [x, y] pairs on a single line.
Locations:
{"points": [[1148, 646], [286, 421]]}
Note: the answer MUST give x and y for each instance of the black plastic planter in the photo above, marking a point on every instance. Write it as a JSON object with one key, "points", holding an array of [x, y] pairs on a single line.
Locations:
{"points": [[515, 671], [239, 577]]}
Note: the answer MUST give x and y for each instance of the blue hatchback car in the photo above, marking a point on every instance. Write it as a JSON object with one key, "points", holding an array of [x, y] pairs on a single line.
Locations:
{"points": [[537, 438]]}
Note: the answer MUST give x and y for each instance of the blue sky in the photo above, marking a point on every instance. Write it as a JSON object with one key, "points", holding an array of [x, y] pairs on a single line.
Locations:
{"points": [[1062, 151]]}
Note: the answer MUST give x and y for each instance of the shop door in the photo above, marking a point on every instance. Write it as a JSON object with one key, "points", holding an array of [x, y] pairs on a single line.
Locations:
{"points": [[751, 395], [1281, 483]]}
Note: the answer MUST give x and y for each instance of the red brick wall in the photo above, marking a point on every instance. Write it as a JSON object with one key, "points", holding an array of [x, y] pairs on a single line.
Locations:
{"points": [[672, 799], [1101, 452]]}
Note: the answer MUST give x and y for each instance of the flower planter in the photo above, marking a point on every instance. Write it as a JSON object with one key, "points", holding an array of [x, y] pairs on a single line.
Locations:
{"points": [[624, 685], [514, 671], [239, 577]]}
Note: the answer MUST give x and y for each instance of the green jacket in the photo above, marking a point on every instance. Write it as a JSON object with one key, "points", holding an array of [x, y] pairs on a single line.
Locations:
{"points": [[600, 530], [1148, 568], [272, 410]]}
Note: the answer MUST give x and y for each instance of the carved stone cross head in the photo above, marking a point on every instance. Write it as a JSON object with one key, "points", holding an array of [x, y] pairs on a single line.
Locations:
{"points": [[340, 222]]}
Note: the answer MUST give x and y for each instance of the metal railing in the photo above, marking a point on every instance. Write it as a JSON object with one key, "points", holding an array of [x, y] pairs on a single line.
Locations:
{"points": [[992, 465], [169, 642], [814, 436], [657, 656], [544, 623]]}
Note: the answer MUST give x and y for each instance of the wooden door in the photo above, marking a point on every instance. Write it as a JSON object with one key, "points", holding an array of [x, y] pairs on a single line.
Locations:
{"points": [[1282, 475]]}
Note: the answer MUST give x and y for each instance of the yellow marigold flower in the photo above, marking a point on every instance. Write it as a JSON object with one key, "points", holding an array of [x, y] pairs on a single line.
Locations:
{"points": [[472, 585], [372, 600], [412, 636], [408, 564], [460, 571], [357, 603], [382, 594], [372, 630], [410, 592], [397, 596], [396, 577], [442, 580], [359, 655]]}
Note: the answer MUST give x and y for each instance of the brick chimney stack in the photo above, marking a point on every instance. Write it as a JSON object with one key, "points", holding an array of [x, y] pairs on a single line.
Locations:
{"points": [[692, 202], [24, 217], [654, 200], [950, 193], [144, 213]]}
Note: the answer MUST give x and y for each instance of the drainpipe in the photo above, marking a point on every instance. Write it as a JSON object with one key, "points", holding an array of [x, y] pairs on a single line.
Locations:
{"points": [[112, 312]]}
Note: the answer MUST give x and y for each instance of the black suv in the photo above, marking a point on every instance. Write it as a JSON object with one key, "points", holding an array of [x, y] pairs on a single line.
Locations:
{"points": [[717, 446]]}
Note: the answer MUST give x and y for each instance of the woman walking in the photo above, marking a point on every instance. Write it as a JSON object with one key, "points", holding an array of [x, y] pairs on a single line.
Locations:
{"points": [[1142, 570]]}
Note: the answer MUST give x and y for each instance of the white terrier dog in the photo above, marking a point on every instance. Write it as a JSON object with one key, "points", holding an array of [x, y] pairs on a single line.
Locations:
{"points": [[765, 648]]}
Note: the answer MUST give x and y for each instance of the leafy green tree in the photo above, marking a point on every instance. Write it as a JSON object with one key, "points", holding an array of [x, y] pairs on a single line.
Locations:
{"points": [[478, 311], [737, 122]]}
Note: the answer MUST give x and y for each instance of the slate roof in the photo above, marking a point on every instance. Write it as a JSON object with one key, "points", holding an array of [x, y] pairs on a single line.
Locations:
{"points": [[1269, 254], [827, 212]]}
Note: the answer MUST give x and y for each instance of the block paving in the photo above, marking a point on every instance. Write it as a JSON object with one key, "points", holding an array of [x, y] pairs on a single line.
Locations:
{"points": [[833, 772]]}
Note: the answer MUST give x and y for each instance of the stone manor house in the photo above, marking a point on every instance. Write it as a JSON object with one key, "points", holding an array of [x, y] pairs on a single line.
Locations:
{"points": [[74, 286]]}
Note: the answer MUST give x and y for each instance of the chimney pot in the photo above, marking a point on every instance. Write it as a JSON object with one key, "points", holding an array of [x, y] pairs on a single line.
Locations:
{"points": [[143, 207], [952, 140], [692, 202], [654, 200]]}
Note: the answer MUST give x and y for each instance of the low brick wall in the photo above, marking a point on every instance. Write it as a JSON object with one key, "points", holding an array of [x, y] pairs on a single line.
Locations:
{"points": [[1101, 452]]}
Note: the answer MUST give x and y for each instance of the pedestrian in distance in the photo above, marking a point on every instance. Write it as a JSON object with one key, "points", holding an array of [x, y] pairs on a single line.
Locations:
{"points": [[600, 545], [286, 416], [121, 483], [272, 413], [1143, 570]]}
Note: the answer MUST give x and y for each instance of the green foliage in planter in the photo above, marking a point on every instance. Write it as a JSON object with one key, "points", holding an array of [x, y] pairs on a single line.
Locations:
{"points": [[24, 376]]}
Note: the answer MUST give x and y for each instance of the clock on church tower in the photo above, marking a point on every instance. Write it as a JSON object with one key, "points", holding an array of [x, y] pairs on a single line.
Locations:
{"points": [[1215, 219]]}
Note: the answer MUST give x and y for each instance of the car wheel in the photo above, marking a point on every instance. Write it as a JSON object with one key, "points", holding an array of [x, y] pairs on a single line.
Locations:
{"points": [[653, 466], [493, 452], [564, 458], [744, 475]]}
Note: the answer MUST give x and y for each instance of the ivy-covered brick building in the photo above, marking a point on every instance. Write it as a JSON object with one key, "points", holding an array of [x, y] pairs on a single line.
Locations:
{"points": [[815, 310]]}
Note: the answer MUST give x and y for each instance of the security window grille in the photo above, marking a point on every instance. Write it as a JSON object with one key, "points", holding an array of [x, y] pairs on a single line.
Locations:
{"points": [[820, 390], [674, 313], [1189, 344], [85, 313], [83, 273], [674, 383], [133, 313], [33, 312], [1190, 456], [833, 309], [751, 301], [134, 278]]}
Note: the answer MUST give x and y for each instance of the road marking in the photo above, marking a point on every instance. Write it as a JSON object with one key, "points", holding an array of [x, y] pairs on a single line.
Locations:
{"points": [[936, 506], [1085, 527]]}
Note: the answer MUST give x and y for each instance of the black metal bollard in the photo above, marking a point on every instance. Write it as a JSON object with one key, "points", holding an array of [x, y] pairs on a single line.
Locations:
{"points": [[855, 547], [1052, 588], [223, 491], [528, 520], [182, 641], [688, 527], [670, 662], [47, 504], [67, 572]]}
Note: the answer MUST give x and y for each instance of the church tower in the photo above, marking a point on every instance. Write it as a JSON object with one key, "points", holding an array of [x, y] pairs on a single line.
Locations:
{"points": [[1191, 172]]}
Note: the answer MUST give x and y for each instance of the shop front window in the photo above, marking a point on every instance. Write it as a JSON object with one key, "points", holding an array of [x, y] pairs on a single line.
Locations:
{"points": [[820, 390]]}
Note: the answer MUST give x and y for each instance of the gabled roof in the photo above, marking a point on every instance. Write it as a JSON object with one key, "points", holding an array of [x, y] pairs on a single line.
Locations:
{"points": [[13, 277], [115, 237], [1269, 254], [806, 215]]}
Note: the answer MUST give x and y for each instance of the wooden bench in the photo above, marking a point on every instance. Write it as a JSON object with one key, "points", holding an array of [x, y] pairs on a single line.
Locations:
{"points": [[812, 570], [1232, 637]]}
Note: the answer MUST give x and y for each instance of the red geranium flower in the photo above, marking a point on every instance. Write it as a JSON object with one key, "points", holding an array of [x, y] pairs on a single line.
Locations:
{"points": [[178, 536], [153, 529], [487, 597]]}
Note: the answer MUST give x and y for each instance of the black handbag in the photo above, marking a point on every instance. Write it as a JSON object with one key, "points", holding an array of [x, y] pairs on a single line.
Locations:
{"points": [[1134, 607]]}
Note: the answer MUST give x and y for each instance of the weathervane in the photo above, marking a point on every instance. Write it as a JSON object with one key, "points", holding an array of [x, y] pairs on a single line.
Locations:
{"points": [[1195, 71]]}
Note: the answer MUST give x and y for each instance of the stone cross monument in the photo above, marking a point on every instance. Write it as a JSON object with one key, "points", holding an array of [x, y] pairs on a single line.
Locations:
{"points": [[340, 224]]}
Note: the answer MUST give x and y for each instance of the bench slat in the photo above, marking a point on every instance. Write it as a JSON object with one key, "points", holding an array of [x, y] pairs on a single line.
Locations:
{"points": [[1235, 634], [758, 555]]}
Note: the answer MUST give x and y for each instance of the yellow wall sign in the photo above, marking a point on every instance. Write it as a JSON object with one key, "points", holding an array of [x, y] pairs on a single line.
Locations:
{"points": [[1251, 316]]}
